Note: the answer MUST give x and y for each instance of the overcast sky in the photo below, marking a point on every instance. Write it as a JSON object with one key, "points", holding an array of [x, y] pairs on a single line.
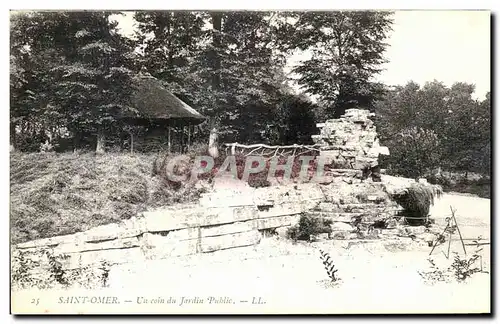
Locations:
{"points": [[448, 46]]}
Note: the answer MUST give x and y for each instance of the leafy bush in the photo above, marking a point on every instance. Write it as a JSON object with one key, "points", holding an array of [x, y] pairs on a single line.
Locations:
{"points": [[434, 125], [57, 273], [27, 273], [416, 201], [463, 268], [309, 225], [21, 265], [480, 186], [460, 269], [414, 151]]}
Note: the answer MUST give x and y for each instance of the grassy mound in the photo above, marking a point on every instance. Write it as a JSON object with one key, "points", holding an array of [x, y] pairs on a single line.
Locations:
{"points": [[58, 194]]}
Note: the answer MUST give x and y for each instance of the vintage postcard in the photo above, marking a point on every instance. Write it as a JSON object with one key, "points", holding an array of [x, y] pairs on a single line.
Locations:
{"points": [[250, 162]]}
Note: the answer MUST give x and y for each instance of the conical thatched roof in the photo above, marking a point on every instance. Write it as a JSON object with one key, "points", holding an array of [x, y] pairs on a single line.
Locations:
{"points": [[155, 103]]}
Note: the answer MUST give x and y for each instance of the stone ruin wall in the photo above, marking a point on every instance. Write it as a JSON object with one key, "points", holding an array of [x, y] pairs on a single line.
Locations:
{"points": [[221, 220], [239, 215], [350, 149], [351, 142]]}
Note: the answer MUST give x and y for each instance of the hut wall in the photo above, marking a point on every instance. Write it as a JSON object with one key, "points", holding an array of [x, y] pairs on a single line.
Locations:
{"points": [[155, 139]]}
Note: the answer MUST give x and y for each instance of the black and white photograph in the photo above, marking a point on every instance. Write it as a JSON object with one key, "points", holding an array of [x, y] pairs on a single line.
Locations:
{"points": [[187, 162]]}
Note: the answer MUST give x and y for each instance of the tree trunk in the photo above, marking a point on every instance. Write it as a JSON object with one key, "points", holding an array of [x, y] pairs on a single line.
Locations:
{"points": [[169, 139], [100, 147], [12, 137], [213, 148], [169, 40], [131, 142], [76, 141], [216, 81], [216, 42]]}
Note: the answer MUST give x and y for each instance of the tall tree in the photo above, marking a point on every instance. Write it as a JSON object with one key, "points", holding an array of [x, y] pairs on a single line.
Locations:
{"points": [[483, 124], [346, 49], [32, 55], [468, 129], [94, 83], [78, 71], [18, 75], [170, 41], [223, 63], [251, 75]]}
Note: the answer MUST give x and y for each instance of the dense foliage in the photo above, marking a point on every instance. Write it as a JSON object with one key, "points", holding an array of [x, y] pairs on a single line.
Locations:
{"points": [[70, 78], [347, 50], [434, 128], [417, 200], [72, 74], [70, 71]]}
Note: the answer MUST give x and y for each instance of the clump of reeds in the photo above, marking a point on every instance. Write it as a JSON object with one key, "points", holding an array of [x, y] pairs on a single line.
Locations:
{"points": [[417, 200]]}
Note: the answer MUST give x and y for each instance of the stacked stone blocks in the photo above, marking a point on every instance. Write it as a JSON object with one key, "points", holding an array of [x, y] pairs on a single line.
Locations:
{"points": [[350, 142]]}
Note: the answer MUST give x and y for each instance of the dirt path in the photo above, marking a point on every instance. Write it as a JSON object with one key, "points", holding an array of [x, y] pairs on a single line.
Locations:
{"points": [[292, 279], [472, 213]]}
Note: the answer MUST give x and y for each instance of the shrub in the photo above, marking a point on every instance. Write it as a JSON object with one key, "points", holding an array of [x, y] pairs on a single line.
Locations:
{"points": [[416, 201], [480, 186], [21, 265], [414, 151], [463, 268], [460, 269], [27, 273], [309, 225]]}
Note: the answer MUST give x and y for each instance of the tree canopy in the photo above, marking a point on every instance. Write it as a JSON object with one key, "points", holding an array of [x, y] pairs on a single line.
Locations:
{"points": [[346, 49], [70, 78]]}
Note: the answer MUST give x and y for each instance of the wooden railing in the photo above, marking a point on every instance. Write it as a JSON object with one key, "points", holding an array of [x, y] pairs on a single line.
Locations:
{"points": [[270, 150]]}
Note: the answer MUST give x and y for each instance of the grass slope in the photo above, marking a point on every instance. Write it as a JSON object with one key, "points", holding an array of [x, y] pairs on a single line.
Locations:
{"points": [[58, 194]]}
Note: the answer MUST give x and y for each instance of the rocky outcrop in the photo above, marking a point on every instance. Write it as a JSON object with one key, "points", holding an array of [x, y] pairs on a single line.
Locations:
{"points": [[351, 141]]}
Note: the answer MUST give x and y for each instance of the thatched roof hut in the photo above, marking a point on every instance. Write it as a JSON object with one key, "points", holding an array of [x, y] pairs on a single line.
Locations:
{"points": [[156, 105], [169, 119]]}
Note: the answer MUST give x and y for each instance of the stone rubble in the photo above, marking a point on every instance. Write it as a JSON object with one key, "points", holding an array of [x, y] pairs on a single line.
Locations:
{"points": [[350, 142]]}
